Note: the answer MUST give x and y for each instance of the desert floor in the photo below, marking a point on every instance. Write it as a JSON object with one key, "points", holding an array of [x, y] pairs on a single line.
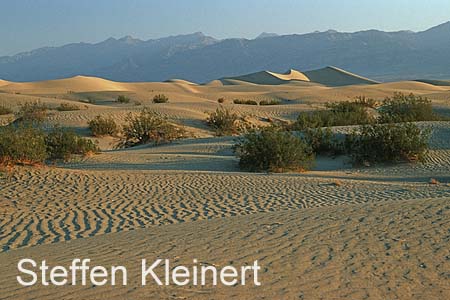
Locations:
{"points": [[335, 232]]}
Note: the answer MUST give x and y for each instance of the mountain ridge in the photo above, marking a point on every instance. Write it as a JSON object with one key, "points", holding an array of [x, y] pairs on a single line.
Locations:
{"points": [[200, 58]]}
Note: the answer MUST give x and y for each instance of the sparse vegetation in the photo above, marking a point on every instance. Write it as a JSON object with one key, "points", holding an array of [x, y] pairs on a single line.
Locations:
{"points": [[337, 114], [22, 144], [269, 102], [148, 127], [63, 144], [407, 108], [221, 100], [161, 98], [367, 102], [67, 107], [101, 126], [223, 121], [273, 150], [5, 110], [33, 112], [379, 143], [123, 99], [27, 144], [245, 102], [323, 141]]}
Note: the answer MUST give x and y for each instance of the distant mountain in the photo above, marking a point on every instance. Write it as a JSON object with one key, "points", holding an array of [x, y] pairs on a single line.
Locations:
{"points": [[196, 57], [266, 35]]}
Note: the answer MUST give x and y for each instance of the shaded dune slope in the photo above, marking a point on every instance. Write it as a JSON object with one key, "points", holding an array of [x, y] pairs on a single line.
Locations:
{"points": [[332, 76]]}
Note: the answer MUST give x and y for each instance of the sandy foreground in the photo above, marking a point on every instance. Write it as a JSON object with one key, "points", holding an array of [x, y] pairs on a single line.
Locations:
{"points": [[336, 232]]}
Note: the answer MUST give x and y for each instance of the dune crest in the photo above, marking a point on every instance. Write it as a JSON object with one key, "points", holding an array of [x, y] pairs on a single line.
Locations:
{"points": [[270, 78], [73, 84], [4, 82], [332, 76]]}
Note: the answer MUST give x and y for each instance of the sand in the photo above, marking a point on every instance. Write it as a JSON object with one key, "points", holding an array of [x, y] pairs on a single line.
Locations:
{"points": [[332, 76], [381, 250], [334, 232], [268, 78]]}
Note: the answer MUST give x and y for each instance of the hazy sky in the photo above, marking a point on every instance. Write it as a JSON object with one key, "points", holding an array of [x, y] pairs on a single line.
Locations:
{"points": [[29, 24]]}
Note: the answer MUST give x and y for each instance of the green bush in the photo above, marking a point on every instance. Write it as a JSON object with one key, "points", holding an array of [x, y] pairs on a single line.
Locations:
{"points": [[269, 102], [63, 144], [407, 108], [323, 141], [101, 126], [5, 110], [387, 143], [223, 121], [273, 150], [23, 144], [160, 99], [366, 102], [245, 102], [33, 112], [337, 114], [67, 107], [123, 99], [148, 127]]}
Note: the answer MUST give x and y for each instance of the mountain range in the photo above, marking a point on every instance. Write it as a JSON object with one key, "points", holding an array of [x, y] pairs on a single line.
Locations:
{"points": [[380, 55]]}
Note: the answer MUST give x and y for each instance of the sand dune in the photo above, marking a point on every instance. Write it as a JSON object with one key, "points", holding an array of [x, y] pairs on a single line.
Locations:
{"points": [[4, 82], [336, 231], [180, 81], [411, 85], [332, 76], [269, 78], [436, 82], [74, 84]]}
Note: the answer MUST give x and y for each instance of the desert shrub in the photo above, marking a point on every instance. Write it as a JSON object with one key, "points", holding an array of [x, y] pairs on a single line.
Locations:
{"points": [[33, 112], [406, 108], [101, 126], [67, 107], [22, 144], [63, 144], [323, 141], [366, 102], [269, 102], [5, 110], [273, 150], [223, 121], [337, 114], [221, 100], [161, 98], [394, 142], [245, 102], [123, 99], [148, 127]]}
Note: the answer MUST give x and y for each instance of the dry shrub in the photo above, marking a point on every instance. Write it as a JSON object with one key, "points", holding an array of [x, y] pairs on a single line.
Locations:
{"points": [[274, 151], [147, 127], [101, 126]]}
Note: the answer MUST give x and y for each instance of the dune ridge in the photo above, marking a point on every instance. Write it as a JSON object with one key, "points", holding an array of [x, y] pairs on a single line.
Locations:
{"points": [[333, 76], [4, 82], [73, 84], [269, 78]]}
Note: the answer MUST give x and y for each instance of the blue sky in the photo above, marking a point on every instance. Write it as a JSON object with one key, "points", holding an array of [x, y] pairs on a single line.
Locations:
{"points": [[29, 24]]}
